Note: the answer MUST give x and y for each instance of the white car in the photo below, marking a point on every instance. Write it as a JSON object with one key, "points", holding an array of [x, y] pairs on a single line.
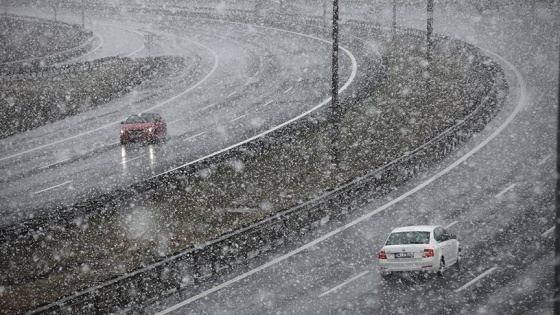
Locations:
{"points": [[419, 248]]}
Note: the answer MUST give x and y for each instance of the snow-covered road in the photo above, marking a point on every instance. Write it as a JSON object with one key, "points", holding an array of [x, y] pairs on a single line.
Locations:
{"points": [[498, 197], [240, 81]]}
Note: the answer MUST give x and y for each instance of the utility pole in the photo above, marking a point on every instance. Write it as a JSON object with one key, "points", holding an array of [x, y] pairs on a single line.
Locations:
{"points": [[335, 110], [394, 26], [430, 30], [429, 46], [83, 14], [55, 10], [556, 297], [148, 38]]}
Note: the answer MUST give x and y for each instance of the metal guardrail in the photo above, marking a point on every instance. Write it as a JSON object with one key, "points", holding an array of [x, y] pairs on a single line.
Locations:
{"points": [[216, 256]]}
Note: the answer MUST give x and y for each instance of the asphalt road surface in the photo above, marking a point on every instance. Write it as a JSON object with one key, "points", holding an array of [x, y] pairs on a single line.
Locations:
{"points": [[497, 192], [240, 81]]}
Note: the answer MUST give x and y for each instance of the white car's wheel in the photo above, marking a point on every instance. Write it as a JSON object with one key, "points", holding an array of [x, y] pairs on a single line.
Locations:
{"points": [[386, 275], [459, 260], [441, 267]]}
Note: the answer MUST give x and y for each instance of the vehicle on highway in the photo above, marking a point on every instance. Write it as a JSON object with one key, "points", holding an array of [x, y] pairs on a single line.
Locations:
{"points": [[424, 248], [146, 127]]}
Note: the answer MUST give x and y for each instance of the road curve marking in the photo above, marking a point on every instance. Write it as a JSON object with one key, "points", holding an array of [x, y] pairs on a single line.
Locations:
{"points": [[53, 187], [53, 164], [544, 159], [101, 42], [323, 103], [548, 232], [237, 118], [473, 281], [522, 101], [139, 34], [175, 121], [197, 135], [135, 158], [501, 193], [450, 225]]}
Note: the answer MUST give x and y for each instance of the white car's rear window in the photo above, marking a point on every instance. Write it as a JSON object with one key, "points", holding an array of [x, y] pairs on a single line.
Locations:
{"points": [[413, 237]]}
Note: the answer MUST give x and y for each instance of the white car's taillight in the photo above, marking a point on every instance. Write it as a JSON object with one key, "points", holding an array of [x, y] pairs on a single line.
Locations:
{"points": [[382, 255], [428, 252]]}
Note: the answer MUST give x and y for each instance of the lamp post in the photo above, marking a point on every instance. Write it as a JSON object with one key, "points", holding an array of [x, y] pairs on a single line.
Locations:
{"points": [[56, 3], [394, 26], [335, 110], [430, 46], [556, 297], [83, 14], [430, 30]]}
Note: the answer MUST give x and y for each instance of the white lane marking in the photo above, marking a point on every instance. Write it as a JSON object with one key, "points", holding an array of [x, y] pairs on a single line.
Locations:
{"points": [[288, 90], [546, 158], [510, 187], [473, 281], [206, 107], [136, 51], [235, 119], [548, 232], [268, 103], [450, 225], [53, 187], [323, 103], [197, 135], [344, 283], [101, 42], [143, 44], [136, 158], [231, 94], [214, 68], [53, 164], [522, 101], [175, 121]]}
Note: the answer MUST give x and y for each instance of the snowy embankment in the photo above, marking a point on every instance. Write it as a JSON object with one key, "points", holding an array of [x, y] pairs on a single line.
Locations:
{"points": [[36, 97], [26, 54], [214, 256]]}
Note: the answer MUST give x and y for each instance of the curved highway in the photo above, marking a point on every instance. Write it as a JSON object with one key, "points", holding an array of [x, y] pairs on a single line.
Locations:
{"points": [[497, 192], [239, 81]]}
